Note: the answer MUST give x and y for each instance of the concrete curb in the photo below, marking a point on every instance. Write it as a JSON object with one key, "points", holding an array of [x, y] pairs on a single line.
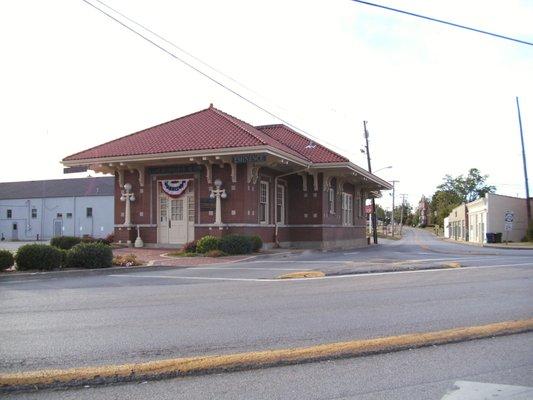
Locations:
{"points": [[252, 360], [81, 272], [153, 265], [506, 247]]}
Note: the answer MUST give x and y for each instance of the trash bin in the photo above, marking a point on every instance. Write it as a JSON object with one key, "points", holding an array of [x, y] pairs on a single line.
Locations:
{"points": [[491, 238], [498, 237]]}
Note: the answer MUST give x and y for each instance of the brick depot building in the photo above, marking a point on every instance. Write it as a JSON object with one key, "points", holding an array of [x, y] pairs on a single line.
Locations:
{"points": [[278, 184]]}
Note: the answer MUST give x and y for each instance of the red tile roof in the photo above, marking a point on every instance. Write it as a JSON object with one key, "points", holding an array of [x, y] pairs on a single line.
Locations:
{"points": [[307, 148], [204, 130]]}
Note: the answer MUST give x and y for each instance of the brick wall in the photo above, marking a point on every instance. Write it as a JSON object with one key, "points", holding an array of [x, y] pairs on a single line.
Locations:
{"points": [[309, 210]]}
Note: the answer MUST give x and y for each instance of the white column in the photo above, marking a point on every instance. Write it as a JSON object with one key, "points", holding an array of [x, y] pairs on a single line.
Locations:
{"points": [[127, 197], [217, 193]]}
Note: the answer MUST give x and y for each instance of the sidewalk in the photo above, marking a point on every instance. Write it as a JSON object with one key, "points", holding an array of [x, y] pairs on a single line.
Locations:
{"points": [[153, 260], [158, 257], [510, 246]]}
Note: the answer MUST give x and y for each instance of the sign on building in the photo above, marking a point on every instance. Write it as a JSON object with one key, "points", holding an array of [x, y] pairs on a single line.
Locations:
{"points": [[509, 219], [249, 158]]}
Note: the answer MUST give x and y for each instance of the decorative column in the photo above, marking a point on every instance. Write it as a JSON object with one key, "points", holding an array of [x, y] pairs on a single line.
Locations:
{"points": [[218, 193], [127, 197]]}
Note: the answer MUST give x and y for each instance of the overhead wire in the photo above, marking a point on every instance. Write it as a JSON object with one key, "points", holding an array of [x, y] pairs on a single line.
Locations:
{"points": [[177, 47], [188, 64], [444, 22]]}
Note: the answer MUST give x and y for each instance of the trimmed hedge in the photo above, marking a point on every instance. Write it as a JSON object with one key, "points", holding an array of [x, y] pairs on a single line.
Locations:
{"points": [[207, 243], [38, 256], [89, 255], [6, 259], [236, 244], [63, 257], [65, 242], [257, 242]]}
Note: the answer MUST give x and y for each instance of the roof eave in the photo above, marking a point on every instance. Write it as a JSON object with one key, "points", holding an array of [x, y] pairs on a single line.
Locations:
{"points": [[384, 185], [186, 154]]}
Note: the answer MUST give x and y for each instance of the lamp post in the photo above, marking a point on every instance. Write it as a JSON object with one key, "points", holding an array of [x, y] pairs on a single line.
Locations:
{"points": [[393, 195], [218, 193], [380, 169], [127, 197]]}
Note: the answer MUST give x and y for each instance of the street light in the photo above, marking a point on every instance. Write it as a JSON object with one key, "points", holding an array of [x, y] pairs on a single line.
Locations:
{"points": [[390, 166]]}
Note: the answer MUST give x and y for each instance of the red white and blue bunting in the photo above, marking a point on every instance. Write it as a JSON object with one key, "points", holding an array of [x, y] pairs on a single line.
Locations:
{"points": [[175, 188]]}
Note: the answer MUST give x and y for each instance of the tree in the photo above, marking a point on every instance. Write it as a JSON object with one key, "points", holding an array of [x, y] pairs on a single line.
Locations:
{"points": [[380, 212], [468, 188], [442, 204], [456, 191], [407, 213]]}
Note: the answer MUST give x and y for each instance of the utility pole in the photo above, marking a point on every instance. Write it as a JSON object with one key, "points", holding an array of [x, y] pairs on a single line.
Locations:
{"points": [[373, 216], [528, 206], [403, 195], [393, 195]]}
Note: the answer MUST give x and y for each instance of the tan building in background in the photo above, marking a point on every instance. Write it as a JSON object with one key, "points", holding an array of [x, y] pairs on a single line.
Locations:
{"points": [[488, 215], [473, 221], [458, 223]]}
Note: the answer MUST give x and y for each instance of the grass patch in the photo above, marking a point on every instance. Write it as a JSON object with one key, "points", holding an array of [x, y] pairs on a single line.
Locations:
{"points": [[453, 265], [302, 274], [215, 253]]}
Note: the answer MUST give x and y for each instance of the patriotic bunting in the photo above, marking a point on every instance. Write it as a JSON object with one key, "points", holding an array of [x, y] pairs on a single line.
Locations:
{"points": [[174, 188]]}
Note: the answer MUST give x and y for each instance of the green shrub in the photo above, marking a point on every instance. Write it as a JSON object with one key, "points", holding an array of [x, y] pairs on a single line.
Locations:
{"points": [[257, 242], [207, 243], [89, 255], [65, 242], [38, 256], [63, 253], [236, 244], [6, 259], [190, 247]]}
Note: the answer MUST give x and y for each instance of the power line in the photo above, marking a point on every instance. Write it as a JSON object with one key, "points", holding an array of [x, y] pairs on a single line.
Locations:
{"points": [[444, 22], [177, 47], [170, 53]]}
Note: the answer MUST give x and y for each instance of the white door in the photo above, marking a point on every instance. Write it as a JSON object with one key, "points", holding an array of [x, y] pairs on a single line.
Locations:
{"points": [[191, 209], [15, 231], [58, 228], [176, 219], [163, 222], [177, 228]]}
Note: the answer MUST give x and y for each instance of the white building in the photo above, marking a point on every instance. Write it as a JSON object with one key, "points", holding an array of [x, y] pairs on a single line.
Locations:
{"points": [[40, 210], [487, 215], [447, 227]]}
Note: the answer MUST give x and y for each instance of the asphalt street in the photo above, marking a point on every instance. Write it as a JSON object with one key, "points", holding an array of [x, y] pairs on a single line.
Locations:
{"points": [[59, 322], [495, 368]]}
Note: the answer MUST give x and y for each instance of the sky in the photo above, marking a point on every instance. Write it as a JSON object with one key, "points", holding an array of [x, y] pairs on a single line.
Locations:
{"points": [[438, 100]]}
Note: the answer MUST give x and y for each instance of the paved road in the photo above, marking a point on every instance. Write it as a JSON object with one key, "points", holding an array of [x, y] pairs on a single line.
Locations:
{"points": [[66, 322], [421, 374]]}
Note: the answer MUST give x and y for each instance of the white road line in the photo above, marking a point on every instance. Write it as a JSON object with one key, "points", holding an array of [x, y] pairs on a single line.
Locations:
{"points": [[201, 278], [370, 261], [320, 278], [249, 269], [299, 261], [349, 254], [24, 281]]}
